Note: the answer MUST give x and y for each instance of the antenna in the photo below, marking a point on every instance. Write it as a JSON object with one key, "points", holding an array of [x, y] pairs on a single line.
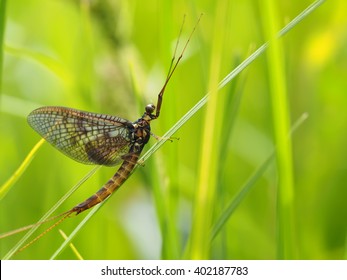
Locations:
{"points": [[174, 63]]}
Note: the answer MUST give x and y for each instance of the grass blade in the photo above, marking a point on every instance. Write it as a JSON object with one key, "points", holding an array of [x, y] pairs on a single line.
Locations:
{"points": [[73, 248], [235, 202], [248, 186], [281, 123], [207, 178], [16, 175]]}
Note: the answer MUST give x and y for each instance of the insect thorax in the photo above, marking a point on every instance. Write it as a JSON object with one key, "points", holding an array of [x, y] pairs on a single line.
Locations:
{"points": [[141, 132]]}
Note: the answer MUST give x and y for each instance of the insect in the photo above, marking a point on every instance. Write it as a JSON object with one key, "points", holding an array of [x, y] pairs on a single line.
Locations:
{"points": [[93, 138], [96, 139]]}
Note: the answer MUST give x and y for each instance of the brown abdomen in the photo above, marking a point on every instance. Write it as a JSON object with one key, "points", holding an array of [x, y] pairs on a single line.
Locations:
{"points": [[112, 185]]}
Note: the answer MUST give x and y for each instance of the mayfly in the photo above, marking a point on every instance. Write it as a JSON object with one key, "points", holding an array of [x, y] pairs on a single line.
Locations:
{"points": [[100, 139]]}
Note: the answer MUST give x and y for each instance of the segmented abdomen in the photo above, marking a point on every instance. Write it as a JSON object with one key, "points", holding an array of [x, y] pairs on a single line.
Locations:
{"points": [[112, 185]]}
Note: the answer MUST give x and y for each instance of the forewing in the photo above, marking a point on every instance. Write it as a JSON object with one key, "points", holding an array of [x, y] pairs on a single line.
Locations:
{"points": [[86, 137]]}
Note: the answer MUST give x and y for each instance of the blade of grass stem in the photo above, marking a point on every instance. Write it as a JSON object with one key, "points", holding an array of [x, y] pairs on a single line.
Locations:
{"points": [[235, 202], [19, 172], [281, 124], [73, 248], [232, 101], [248, 186], [207, 178]]}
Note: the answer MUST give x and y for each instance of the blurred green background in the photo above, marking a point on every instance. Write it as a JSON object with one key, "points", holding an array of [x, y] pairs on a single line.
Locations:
{"points": [[112, 57]]}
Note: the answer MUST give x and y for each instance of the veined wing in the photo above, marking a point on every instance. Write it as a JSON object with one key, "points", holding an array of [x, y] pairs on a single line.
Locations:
{"points": [[86, 137]]}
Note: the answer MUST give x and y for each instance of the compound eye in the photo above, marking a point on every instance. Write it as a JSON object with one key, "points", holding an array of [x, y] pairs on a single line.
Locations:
{"points": [[150, 108]]}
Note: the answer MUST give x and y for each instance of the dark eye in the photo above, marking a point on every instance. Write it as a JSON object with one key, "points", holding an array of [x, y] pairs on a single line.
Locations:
{"points": [[150, 108]]}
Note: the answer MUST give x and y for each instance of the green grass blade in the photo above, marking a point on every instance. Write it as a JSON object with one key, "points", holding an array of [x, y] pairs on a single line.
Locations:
{"points": [[235, 202], [19, 172], [248, 186], [281, 123], [207, 178], [300, 17], [73, 247]]}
